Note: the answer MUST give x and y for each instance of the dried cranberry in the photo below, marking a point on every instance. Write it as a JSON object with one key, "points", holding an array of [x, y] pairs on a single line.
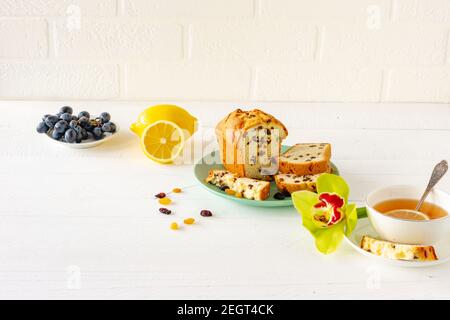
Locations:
{"points": [[160, 195], [206, 213], [279, 196], [165, 210]]}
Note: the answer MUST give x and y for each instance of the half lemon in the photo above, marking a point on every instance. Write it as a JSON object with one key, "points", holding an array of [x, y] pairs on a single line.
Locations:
{"points": [[162, 141]]}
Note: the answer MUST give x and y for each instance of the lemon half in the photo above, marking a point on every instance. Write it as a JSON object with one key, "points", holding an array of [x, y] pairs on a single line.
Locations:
{"points": [[162, 141]]}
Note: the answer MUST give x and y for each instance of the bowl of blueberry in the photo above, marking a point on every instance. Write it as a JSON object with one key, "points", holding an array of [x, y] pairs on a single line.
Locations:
{"points": [[77, 131]]}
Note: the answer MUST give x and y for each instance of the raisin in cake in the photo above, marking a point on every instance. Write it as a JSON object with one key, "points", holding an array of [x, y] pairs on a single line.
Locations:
{"points": [[396, 251], [250, 143], [287, 182], [249, 188], [306, 159]]}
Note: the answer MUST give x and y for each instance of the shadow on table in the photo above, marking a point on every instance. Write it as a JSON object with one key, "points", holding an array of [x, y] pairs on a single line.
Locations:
{"points": [[123, 140]]}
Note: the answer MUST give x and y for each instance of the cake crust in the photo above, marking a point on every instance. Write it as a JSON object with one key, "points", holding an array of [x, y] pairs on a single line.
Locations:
{"points": [[291, 183]]}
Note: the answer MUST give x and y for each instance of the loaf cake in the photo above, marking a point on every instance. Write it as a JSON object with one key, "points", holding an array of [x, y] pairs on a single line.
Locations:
{"points": [[289, 183], [250, 143], [248, 188], [395, 251], [306, 159]]}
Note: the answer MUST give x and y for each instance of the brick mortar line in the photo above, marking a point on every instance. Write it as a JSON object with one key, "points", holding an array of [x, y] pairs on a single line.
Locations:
{"points": [[447, 48], [392, 10], [121, 81], [239, 101], [52, 42], [120, 8], [145, 60], [253, 83], [320, 38], [257, 9], [385, 84], [187, 41]]}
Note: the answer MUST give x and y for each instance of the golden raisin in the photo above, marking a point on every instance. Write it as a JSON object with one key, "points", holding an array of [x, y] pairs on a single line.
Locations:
{"points": [[176, 190], [189, 221], [165, 201], [238, 195], [174, 226], [230, 192]]}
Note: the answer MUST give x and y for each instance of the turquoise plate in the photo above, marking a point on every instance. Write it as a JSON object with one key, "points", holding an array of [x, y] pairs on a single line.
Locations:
{"points": [[203, 167]]}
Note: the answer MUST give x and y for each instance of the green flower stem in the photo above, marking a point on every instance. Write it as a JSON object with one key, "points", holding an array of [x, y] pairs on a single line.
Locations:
{"points": [[362, 212]]}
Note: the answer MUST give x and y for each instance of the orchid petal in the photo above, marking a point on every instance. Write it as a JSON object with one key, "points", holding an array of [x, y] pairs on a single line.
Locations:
{"points": [[330, 183]]}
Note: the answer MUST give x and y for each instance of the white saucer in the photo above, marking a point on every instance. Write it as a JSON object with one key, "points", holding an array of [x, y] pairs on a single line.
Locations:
{"points": [[86, 144], [364, 227]]}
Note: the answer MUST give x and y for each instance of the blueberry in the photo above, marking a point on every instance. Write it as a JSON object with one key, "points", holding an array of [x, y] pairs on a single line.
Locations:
{"points": [[286, 194], [113, 127], [77, 128], [98, 133], [279, 196], [70, 136], [84, 134], [61, 126], [66, 117], [84, 114], [79, 137], [105, 116], [66, 109], [45, 116], [73, 124], [106, 127], [75, 118], [83, 121], [56, 135], [50, 121], [42, 127], [89, 127]]}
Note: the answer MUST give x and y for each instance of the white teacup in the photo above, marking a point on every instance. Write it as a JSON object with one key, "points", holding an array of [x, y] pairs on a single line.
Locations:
{"points": [[424, 232]]}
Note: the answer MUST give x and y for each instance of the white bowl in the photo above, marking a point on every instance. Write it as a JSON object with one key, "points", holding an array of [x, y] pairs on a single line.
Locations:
{"points": [[86, 144], [423, 232]]}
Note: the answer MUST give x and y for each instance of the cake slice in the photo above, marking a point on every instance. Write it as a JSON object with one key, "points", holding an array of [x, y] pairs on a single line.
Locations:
{"points": [[248, 188], [287, 182], [396, 251], [306, 159]]}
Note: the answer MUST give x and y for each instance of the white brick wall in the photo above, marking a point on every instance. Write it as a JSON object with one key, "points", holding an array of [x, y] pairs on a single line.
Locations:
{"points": [[276, 50], [33, 30]]}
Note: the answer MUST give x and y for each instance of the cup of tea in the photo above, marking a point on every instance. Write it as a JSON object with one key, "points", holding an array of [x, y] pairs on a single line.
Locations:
{"points": [[391, 212]]}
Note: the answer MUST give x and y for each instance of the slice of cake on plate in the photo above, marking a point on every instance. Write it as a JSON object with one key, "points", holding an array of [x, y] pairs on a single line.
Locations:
{"points": [[397, 251], [306, 159], [250, 143], [289, 183], [248, 188]]}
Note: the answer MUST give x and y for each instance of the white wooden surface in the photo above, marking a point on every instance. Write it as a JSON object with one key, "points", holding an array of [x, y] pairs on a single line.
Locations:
{"points": [[64, 210]]}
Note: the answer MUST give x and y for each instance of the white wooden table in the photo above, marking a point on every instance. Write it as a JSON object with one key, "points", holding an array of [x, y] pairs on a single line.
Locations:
{"points": [[84, 224]]}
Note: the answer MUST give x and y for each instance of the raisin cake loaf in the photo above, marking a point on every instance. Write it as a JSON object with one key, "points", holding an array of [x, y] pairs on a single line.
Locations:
{"points": [[249, 188], [289, 183], [396, 251], [306, 159], [250, 143]]}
